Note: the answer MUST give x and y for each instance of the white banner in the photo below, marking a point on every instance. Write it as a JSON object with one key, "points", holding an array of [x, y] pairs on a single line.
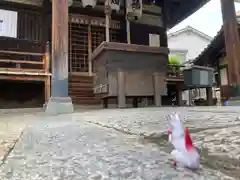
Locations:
{"points": [[30, 2], [8, 23]]}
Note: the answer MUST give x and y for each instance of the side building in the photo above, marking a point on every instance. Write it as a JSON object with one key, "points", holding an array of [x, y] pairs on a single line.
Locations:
{"points": [[187, 44]]}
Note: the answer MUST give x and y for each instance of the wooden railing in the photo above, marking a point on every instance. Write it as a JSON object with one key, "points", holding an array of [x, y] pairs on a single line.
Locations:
{"points": [[23, 62], [16, 61]]}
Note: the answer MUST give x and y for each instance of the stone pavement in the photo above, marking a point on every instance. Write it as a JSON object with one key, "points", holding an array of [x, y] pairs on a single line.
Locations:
{"points": [[121, 144], [215, 130], [11, 128]]}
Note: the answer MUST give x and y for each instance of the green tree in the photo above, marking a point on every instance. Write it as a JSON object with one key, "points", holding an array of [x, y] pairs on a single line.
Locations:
{"points": [[175, 64], [174, 60]]}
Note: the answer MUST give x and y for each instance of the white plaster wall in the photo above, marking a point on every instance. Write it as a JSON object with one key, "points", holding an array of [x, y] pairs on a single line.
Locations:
{"points": [[223, 71], [190, 42]]}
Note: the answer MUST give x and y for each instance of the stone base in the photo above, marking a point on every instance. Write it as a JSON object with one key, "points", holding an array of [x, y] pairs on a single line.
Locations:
{"points": [[59, 105]]}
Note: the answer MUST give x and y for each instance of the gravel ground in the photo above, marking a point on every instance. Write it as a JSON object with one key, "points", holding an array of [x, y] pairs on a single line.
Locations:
{"points": [[11, 128]]}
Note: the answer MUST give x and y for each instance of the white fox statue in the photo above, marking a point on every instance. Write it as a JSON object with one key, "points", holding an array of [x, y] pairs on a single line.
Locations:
{"points": [[184, 153]]}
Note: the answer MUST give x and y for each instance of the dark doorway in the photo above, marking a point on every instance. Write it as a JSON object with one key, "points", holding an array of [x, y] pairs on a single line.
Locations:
{"points": [[21, 94]]}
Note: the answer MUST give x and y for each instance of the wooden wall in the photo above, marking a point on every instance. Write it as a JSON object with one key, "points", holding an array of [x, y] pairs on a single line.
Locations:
{"points": [[140, 34], [30, 22], [30, 26]]}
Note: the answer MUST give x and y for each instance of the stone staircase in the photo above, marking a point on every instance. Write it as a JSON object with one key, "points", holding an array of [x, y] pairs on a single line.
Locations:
{"points": [[81, 90]]}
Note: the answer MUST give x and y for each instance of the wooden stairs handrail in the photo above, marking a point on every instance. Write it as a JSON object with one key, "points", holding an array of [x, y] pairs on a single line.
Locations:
{"points": [[44, 62], [21, 53], [47, 57], [20, 61], [36, 74], [25, 73]]}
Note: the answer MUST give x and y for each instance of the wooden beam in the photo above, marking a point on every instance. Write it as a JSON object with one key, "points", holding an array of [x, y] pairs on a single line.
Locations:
{"points": [[21, 53], [22, 78], [232, 43], [20, 61], [178, 12], [37, 72]]}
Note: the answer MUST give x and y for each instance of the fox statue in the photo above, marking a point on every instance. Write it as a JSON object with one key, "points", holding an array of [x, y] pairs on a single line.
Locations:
{"points": [[184, 153]]}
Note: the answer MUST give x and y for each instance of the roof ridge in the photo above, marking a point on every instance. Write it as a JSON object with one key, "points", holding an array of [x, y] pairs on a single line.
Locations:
{"points": [[188, 27]]}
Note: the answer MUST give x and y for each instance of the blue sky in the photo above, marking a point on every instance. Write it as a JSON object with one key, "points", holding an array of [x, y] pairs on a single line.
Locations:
{"points": [[207, 20]]}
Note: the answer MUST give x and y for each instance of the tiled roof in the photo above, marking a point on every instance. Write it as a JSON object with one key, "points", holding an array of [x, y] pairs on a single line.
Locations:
{"points": [[191, 29], [218, 36], [209, 47]]}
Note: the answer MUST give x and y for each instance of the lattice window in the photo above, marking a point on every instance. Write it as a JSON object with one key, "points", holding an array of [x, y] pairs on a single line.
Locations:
{"points": [[114, 35], [78, 44], [78, 47], [98, 36]]}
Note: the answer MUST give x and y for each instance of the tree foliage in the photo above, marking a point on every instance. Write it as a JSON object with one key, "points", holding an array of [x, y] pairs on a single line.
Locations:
{"points": [[174, 60]]}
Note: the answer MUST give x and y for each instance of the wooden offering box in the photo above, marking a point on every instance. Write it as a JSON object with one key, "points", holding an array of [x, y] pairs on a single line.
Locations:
{"points": [[129, 70]]}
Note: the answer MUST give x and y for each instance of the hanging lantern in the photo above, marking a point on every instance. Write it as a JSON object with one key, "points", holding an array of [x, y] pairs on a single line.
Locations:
{"points": [[134, 9], [89, 3], [115, 5], [70, 2]]}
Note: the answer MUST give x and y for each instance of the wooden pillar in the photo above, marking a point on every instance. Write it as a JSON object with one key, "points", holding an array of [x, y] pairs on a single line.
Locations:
{"points": [[121, 89], [89, 49], [157, 89], [60, 48], [179, 98], [190, 97], [135, 102], [219, 80], [232, 44], [107, 19], [105, 102], [59, 102], [47, 89], [209, 93], [47, 82], [128, 31]]}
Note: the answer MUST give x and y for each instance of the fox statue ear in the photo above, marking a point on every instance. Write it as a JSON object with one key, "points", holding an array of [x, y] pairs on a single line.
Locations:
{"points": [[176, 116], [188, 140], [168, 117]]}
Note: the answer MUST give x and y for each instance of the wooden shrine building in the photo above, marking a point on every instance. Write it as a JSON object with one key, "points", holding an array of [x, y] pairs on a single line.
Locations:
{"points": [[63, 46]]}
